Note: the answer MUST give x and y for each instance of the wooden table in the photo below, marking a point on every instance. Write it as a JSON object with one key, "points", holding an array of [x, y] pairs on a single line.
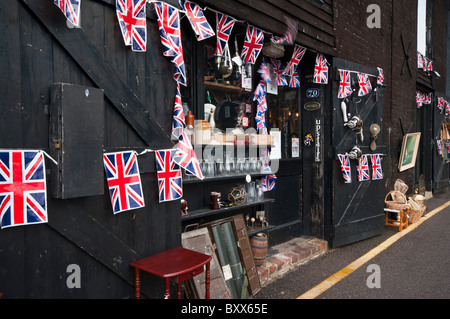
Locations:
{"points": [[177, 264]]}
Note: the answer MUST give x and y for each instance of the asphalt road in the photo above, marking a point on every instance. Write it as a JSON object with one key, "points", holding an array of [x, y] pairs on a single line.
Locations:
{"points": [[416, 266]]}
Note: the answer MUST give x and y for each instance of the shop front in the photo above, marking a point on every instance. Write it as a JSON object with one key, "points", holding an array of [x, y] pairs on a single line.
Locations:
{"points": [[261, 113]]}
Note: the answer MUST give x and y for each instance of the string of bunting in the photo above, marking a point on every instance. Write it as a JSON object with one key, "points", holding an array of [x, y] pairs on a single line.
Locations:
{"points": [[365, 86]]}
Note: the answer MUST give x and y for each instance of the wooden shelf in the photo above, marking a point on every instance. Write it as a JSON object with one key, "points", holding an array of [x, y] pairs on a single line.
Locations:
{"points": [[220, 86], [221, 178], [259, 229], [208, 212]]}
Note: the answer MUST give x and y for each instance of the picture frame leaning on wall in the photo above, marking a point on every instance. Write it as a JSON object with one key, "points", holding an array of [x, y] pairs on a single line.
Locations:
{"points": [[408, 155]]}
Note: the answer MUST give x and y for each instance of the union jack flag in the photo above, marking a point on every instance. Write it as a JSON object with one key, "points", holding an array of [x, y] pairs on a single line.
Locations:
{"points": [[268, 182], [294, 80], [380, 78], [363, 169], [439, 146], [289, 35], [133, 24], [71, 9], [169, 176], [427, 98], [365, 87], [321, 70], [169, 29], [178, 123], [420, 61], [260, 91], [430, 66], [122, 174], [345, 88], [278, 70], [224, 26], [253, 44], [420, 99], [264, 72], [441, 103], [345, 168], [197, 19], [297, 56], [185, 156], [260, 119], [23, 194], [377, 172]]}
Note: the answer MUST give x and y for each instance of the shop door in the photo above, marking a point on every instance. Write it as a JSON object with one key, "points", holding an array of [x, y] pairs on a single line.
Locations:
{"points": [[441, 170], [357, 207]]}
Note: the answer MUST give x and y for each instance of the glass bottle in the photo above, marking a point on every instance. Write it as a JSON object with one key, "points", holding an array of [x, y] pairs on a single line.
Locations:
{"points": [[251, 192]]}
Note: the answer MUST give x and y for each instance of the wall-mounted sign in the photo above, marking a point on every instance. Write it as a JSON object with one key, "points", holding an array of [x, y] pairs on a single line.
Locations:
{"points": [[318, 145], [313, 93], [312, 106]]}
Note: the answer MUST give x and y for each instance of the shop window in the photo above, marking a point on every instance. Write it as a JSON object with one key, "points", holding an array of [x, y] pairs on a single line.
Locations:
{"points": [[216, 94]]}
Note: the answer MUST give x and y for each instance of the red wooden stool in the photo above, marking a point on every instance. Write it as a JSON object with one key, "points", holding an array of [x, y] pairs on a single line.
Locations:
{"points": [[177, 264]]}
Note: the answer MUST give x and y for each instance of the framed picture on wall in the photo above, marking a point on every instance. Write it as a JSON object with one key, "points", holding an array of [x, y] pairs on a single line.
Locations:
{"points": [[410, 147]]}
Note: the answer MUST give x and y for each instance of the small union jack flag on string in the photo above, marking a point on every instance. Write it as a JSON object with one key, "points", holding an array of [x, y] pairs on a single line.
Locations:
{"points": [[169, 29], [345, 168], [260, 91], [71, 9], [253, 45], [260, 119], [23, 194], [380, 78], [169, 176], [133, 23], [185, 156], [294, 80], [264, 72], [297, 56], [420, 61], [439, 147], [424, 63], [420, 99], [268, 183], [290, 34], [440, 105], [345, 88], [321, 70], [224, 26], [430, 66], [365, 87], [197, 19], [124, 181], [178, 123], [363, 169], [377, 172], [278, 70]]}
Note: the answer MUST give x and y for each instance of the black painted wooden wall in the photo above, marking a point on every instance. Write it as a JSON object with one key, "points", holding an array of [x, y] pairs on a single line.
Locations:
{"points": [[39, 49]]}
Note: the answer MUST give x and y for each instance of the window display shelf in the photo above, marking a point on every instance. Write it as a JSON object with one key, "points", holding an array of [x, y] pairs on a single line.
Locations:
{"points": [[221, 178], [208, 211], [220, 86]]}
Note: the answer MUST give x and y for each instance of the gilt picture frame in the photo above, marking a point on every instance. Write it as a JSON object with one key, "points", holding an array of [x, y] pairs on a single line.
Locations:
{"points": [[408, 155]]}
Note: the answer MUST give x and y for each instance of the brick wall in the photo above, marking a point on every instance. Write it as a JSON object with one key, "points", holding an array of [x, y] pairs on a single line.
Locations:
{"points": [[383, 48]]}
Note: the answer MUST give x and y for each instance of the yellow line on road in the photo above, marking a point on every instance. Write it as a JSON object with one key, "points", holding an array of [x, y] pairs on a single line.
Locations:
{"points": [[333, 279]]}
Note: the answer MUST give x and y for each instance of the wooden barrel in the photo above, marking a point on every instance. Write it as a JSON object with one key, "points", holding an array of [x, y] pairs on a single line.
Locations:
{"points": [[259, 245]]}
